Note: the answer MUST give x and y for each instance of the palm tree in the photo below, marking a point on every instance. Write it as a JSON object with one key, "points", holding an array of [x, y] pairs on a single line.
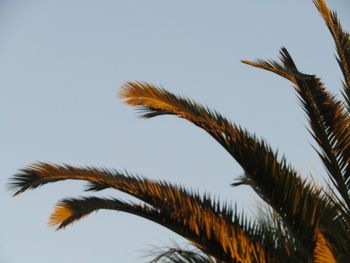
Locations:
{"points": [[304, 222]]}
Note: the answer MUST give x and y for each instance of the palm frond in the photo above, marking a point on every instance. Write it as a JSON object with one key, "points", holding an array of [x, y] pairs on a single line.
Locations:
{"points": [[323, 252], [302, 221], [342, 44], [180, 255], [328, 121], [215, 228], [39, 174], [298, 202], [277, 234]]}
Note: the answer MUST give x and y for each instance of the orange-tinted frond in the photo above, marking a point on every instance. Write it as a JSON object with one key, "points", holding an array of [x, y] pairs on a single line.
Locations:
{"points": [[323, 252], [60, 214], [274, 180], [342, 44]]}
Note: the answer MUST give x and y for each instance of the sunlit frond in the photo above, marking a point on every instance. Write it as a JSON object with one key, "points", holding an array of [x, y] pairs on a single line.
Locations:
{"points": [[323, 252], [300, 222], [342, 44], [297, 201], [214, 228], [330, 125]]}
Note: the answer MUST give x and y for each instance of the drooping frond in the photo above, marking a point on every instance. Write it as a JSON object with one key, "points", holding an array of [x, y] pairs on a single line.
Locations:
{"points": [[342, 44], [42, 173], [100, 178], [210, 226], [71, 210], [323, 252], [328, 121], [298, 202]]}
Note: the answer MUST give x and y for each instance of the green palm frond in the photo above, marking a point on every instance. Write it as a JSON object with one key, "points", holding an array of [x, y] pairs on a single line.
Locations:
{"points": [[342, 44], [298, 202], [212, 227]]}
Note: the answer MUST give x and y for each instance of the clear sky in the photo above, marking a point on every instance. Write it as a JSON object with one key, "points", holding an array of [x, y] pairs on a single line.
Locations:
{"points": [[61, 65]]}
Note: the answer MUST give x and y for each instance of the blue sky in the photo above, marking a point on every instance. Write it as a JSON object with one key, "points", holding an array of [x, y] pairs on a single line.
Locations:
{"points": [[61, 66]]}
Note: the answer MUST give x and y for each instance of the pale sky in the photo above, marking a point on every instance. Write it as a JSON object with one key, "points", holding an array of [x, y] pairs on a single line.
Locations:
{"points": [[61, 66]]}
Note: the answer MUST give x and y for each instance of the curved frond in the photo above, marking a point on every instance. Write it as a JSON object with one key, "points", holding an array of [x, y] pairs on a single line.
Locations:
{"points": [[328, 121], [214, 228], [330, 128], [69, 211], [298, 202], [342, 44]]}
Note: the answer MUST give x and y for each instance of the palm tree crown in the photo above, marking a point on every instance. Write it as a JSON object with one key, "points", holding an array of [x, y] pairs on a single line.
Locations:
{"points": [[304, 222]]}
